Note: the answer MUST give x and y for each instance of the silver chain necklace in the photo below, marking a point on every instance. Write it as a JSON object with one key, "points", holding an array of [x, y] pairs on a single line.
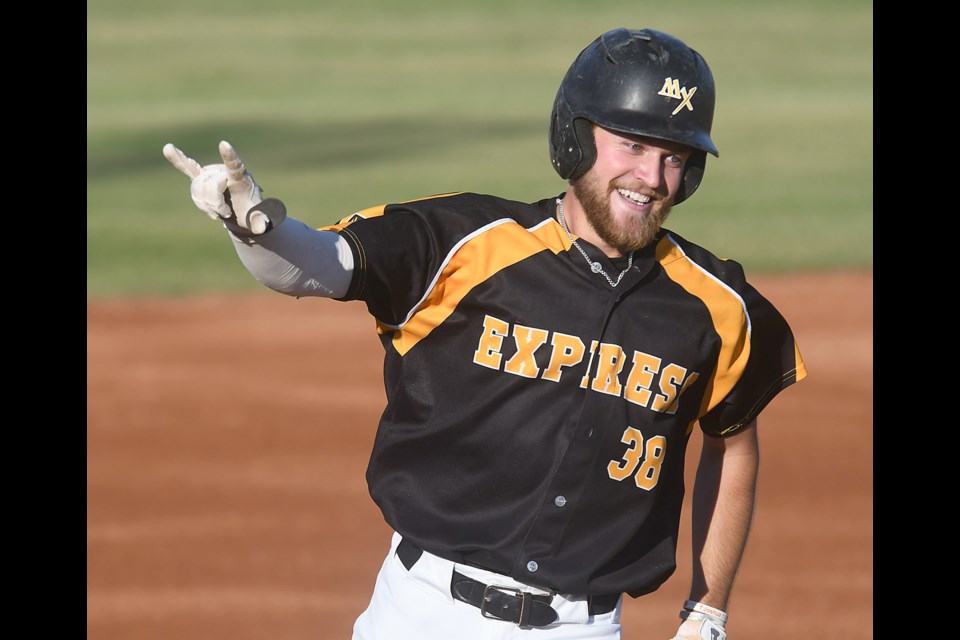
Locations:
{"points": [[596, 267]]}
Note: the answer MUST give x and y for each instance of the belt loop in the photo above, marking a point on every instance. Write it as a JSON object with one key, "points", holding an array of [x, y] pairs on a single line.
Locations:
{"points": [[602, 604], [408, 553]]}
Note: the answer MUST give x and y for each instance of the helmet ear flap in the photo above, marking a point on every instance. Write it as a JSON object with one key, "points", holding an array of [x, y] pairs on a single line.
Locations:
{"points": [[692, 175], [583, 130], [564, 147], [572, 148]]}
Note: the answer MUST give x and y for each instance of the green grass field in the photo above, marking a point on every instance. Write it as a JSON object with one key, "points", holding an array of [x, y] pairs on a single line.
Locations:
{"points": [[336, 106]]}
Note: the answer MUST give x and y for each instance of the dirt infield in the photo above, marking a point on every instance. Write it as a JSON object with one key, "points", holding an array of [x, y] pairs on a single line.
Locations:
{"points": [[227, 439]]}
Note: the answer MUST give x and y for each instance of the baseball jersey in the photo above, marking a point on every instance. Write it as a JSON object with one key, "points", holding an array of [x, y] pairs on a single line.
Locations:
{"points": [[537, 418]]}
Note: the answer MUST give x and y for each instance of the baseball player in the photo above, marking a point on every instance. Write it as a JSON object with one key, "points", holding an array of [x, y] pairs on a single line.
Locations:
{"points": [[545, 365]]}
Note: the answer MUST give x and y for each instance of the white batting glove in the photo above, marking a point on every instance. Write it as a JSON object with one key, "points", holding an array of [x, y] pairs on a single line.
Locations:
{"points": [[696, 627], [228, 191]]}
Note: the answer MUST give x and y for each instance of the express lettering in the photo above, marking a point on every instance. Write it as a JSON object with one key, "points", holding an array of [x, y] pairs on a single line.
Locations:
{"points": [[648, 381]]}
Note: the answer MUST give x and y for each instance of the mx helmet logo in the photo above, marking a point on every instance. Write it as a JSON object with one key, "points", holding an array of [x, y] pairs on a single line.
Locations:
{"points": [[671, 88]]}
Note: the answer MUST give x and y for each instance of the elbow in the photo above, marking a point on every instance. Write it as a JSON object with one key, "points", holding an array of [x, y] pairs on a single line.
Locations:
{"points": [[295, 283]]}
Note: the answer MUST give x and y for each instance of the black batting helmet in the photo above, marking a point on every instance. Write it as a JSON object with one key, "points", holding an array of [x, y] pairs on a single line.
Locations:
{"points": [[643, 82]]}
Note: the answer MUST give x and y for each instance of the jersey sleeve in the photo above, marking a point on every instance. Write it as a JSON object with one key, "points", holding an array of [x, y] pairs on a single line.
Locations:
{"points": [[400, 249], [394, 253], [774, 363]]}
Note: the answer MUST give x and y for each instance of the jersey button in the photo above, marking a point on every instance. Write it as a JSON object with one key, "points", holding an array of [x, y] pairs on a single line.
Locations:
{"points": [[532, 566], [560, 501]]}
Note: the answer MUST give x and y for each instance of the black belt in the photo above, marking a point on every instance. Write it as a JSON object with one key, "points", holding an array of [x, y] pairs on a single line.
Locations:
{"points": [[505, 603]]}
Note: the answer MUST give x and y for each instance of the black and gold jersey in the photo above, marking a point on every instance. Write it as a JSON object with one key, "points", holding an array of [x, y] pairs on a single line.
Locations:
{"points": [[537, 418]]}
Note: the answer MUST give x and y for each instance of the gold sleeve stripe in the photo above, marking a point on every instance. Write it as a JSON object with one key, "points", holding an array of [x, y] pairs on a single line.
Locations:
{"points": [[473, 260], [373, 212], [801, 366], [727, 311]]}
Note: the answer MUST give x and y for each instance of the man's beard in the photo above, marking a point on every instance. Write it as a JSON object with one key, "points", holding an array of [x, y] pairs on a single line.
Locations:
{"points": [[636, 233]]}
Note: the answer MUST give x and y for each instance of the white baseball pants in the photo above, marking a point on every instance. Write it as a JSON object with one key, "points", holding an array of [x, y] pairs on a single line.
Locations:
{"points": [[417, 605]]}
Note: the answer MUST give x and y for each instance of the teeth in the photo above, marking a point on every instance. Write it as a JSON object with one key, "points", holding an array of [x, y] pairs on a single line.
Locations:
{"points": [[633, 195]]}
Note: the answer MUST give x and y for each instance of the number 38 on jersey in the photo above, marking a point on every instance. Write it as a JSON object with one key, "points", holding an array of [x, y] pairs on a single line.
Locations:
{"points": [[641, 460]]}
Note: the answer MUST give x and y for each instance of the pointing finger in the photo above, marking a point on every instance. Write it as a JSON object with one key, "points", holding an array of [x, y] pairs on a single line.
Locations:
{"points": [[235, 166], [187, 166]]}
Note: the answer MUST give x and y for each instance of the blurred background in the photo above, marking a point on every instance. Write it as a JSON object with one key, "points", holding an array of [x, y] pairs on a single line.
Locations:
{"points": [[343, 104], [228, 427]]}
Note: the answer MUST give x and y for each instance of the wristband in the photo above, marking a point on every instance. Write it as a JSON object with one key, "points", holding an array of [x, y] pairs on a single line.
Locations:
{"points": [[694, 615], [691, 605]]}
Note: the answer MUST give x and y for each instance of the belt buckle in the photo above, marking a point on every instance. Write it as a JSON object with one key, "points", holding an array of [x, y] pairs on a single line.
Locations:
{"points": [[523, 595]]}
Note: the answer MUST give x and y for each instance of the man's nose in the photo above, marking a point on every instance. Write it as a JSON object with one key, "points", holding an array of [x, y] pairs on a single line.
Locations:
{"points": [[649, 170]]}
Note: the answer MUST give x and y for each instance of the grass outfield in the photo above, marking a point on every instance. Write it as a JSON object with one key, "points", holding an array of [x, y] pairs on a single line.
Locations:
{"points": [[337, 105]]}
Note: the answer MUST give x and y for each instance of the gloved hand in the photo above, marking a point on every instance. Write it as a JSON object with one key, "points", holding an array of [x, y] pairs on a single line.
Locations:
{"points": [[228, 191], [697, 627]]}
